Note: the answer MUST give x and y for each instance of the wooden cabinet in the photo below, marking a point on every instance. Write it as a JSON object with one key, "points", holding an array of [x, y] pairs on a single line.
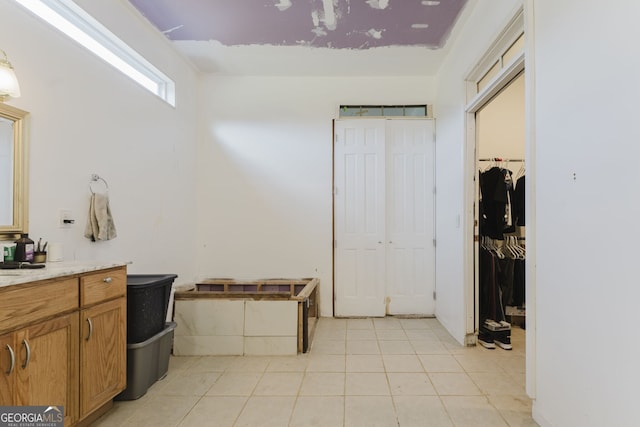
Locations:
{"points": [[103, 346], [63, 342], [40, 365], [7, 368]]}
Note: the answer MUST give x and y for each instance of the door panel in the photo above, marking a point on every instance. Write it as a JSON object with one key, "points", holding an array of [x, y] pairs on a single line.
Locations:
{"points": [[410, 224], [359, 206]]}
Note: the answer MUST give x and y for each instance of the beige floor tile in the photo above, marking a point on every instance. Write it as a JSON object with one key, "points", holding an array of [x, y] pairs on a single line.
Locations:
{"points": [[318, 411], [410, 384], [440, 363], [497, 383], [359, 324], [520, 403], [433, 323], [366, 384], [211, 363], [421, 334], [420, 324], [331, 323], [363, 347], [162, 411], [250, 364], [323, 384], [365, 363], [468, 411], [391, 334], [121, 412], [423, 411], [369, 411], [263, 411], [386, 323], [516, 410], [361, 334], [330, 335], [328, 347], [457, 348], [235, 384], [429, 347], [279, 384], [479, 363], [326, 363], [512, 364], [358, 386], [402, 363], [454, 384], [288, 364], [220, 411], [396, 347], [189, 384], [177, 363]]}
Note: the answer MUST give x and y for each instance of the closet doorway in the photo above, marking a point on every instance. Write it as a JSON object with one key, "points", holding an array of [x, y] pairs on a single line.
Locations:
{"points": [[500, 249], [384, 181]]}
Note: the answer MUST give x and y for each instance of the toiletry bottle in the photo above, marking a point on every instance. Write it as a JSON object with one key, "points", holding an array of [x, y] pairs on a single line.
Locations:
{"points": [[24, 249]]}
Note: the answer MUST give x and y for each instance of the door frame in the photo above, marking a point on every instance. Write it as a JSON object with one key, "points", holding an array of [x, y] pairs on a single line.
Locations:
{"points": [[521, 21]]}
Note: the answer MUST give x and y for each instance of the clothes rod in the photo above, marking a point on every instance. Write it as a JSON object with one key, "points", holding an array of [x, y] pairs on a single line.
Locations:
{"points": [[500, 159]]}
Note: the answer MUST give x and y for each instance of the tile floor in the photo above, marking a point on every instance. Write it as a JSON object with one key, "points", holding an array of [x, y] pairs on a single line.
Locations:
{"points": [[359, 372]]}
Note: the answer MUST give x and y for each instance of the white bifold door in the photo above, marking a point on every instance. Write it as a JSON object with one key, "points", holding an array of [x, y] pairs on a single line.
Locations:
{"points": [[384, 255]]}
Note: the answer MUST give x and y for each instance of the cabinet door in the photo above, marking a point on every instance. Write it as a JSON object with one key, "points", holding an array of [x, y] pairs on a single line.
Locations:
{"points": [[8, 365], [47, 365], [103, 352]]}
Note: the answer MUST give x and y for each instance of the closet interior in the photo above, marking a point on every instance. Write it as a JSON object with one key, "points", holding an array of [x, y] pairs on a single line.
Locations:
{"points": [[500, 241]]}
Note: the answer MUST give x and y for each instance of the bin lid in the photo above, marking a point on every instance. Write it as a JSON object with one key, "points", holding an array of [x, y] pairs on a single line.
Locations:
{"points": [[143, 280]]}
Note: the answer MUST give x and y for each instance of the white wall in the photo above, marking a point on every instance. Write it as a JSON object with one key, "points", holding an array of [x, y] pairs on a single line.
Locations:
{"points": [[88, 118], [483, 23], [500, 125], [587, 205], [265, 171]]}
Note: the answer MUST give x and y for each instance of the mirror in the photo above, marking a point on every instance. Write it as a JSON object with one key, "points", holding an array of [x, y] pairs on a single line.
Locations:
{"points": [[14, 200]]}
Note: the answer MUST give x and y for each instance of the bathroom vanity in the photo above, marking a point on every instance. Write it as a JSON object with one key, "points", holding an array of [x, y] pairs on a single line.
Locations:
{"points": [[63, 337]]}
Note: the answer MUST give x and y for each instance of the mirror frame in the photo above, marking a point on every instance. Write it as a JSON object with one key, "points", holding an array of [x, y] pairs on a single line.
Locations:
{"points": [[20, 224]]}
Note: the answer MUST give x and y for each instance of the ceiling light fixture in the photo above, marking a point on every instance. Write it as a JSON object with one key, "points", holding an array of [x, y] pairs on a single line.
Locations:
{"points": [[9, 86], [430, 3]]}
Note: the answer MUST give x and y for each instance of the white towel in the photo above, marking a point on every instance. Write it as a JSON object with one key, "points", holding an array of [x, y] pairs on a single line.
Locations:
{"points": [[100, 224]]}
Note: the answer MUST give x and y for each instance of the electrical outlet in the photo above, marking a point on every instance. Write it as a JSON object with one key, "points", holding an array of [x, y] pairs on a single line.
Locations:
{"points": [[66, 218]]}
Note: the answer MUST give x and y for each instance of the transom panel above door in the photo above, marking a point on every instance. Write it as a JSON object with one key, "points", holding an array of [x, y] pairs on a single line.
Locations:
{"points": [[384, 259]]}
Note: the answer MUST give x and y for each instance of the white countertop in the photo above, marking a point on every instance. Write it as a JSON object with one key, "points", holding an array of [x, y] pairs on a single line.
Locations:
{"points": [[53, 270]]}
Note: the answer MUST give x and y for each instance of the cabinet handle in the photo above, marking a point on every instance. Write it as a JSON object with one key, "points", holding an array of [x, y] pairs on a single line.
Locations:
{"points": [[107, 280], [25, 343], [13, 359], [90, 329]]}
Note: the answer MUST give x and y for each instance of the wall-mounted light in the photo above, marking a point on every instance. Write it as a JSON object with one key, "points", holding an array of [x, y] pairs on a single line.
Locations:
{"points": [[8, 81]]}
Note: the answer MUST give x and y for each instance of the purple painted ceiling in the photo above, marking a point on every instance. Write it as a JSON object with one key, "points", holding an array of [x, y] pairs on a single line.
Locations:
{"points": [[340, 24]]}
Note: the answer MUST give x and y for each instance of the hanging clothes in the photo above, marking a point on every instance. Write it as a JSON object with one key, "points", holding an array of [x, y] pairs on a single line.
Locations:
{"points": [[518, 201], [496, 211], [491, 306]]}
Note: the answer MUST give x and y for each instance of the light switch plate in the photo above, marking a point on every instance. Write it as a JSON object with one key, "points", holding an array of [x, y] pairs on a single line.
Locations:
{"points": [[66, 218]]}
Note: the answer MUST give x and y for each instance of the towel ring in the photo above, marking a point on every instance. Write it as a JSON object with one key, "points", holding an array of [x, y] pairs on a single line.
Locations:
{"points": [[95, 178]]}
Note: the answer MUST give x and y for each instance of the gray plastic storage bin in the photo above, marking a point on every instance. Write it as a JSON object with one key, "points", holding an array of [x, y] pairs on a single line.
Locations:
{"points": [[147, 362]]}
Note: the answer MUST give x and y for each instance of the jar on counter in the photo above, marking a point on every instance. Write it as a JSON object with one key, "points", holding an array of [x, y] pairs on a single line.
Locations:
{"points": [[24, 249]]}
